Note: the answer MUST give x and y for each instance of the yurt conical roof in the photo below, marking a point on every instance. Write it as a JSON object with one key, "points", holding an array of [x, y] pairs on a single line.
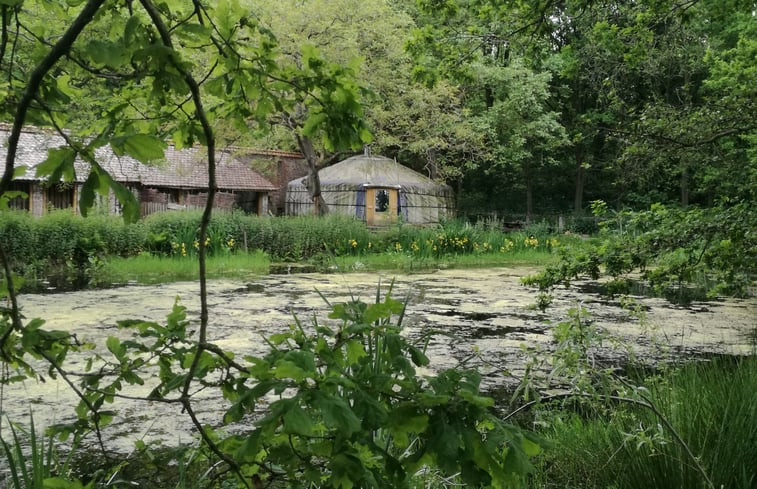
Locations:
{"points": [[375, 171], [345, 187]]}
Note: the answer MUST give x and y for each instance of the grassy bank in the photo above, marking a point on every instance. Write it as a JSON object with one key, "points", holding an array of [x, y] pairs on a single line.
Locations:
{"points": [[410, 263], [64, 251], [713, 407], [152, 269]]}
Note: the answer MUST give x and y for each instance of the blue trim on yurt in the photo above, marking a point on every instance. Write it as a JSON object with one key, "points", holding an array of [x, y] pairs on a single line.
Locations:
{"points": [[401, 210], [360, 203]]}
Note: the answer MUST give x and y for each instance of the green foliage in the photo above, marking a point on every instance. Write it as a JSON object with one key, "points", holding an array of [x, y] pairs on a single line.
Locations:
{"points": [[302, 238], [457, 238], [308, 238], [71, 251], [286, 238], [152, 465], [582, 225], [407, 120], [653, 98], [356, 412], [626, 447], [34, 462], [65, 247], [17, 233], [671, 248], [616, 403]]}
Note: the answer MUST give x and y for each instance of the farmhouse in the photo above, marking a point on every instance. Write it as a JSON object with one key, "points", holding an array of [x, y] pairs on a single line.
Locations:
{"points": [[377, 190], [180, 181]]}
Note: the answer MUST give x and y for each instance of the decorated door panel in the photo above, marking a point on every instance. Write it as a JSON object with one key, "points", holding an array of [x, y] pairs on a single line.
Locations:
{"points": [[381, 206]]}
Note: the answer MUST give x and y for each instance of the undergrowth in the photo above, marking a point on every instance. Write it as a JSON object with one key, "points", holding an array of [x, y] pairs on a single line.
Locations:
{"points": [[713, 406], [64, 251]]}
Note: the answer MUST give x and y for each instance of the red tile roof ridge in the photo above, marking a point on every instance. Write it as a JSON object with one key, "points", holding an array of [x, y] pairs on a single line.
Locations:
{"points": [[264, 152], [28, 128]]}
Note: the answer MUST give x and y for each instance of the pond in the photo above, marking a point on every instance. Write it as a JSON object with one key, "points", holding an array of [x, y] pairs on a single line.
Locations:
{"points": [[482, 316]]}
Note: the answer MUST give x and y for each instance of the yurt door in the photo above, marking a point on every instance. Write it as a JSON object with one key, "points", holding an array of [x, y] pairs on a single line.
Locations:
{"points": [[381, 206]]}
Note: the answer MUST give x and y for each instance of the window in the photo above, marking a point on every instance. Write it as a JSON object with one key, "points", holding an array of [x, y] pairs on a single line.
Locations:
{"points": [[382, 200], [21, 203], [60, 195]]}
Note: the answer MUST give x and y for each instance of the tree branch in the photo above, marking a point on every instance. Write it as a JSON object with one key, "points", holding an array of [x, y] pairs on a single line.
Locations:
{"points": [[4, 35], [681, 144], [15, 312], [194, 88], [35, 81], [80, 395]]}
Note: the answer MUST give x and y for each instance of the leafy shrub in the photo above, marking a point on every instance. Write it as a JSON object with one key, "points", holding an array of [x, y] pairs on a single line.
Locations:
{"points": [[304, 237], [65, 247], [714, 248], [283, 238], [117, 238], [460, 238], [356, 412], [57, 234], [625, 447], [17, 233], [582, 225]]}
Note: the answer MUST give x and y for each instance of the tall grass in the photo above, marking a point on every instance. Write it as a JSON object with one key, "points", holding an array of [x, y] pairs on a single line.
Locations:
{"points": [[32, 461], [63, 250], [151, 269], [712, 405], [409, 262]]}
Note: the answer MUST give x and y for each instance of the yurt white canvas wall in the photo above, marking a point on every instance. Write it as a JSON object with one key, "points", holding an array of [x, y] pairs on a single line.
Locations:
{"points": [[375, 189]]}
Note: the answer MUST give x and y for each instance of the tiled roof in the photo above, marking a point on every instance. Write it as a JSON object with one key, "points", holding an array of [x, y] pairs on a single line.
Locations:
{"points": [[372, 171], [266, 152], [186, 168]]}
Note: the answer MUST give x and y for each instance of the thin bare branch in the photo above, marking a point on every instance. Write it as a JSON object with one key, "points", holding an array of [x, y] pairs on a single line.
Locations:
{"points": [[91, 407], [35, 81], [194, 88]]}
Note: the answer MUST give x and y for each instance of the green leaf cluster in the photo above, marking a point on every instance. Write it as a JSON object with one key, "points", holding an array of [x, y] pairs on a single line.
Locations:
{"points": [[348, 409], [339, 403], [670, 248]]}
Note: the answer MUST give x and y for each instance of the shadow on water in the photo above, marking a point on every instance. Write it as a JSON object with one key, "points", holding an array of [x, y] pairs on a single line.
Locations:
{"points": [[253, 288], [680, 295], [482, 332], [472, 316], [289, 268], [751, 337]]}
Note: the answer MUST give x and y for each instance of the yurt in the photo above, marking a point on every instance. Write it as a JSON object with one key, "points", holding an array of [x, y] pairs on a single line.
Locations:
{"points": [[377, 190]]}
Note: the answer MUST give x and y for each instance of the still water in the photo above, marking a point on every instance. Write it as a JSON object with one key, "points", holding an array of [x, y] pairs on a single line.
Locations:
{"points": [[483, 316]]}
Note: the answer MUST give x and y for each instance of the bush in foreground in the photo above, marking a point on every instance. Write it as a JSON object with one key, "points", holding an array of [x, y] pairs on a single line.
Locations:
{"points": [[713, 407]]}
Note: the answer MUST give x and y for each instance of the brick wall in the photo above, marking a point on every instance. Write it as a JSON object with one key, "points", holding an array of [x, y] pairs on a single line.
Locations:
{"points": [[279, 169], [222, 200], [153, 195], [288, 170]]}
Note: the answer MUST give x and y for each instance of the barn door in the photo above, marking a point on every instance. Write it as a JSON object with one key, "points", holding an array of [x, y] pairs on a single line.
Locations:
{"points": [[60, 196], [380, 206]]}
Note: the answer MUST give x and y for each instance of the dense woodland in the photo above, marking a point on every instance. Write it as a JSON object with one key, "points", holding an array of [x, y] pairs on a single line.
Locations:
{"points": [[525, 107]]}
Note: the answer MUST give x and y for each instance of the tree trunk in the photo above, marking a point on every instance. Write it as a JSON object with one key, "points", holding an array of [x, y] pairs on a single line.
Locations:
{"points": [[313, 182], [458, 192], [685, 186], [529, 191], [432, 164], [578, 198]]}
